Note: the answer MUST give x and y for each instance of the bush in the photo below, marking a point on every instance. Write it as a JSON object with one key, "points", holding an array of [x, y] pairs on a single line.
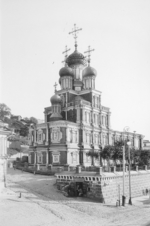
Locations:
{"points": [[29, 170], [18, 159], [24, 159]]}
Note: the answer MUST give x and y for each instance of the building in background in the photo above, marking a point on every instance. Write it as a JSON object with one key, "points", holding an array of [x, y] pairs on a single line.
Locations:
{"points": [[146, 145], [76, 122], [4, 133]]}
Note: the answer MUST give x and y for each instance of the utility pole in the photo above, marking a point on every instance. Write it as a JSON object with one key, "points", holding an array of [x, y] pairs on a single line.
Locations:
{"points": [[130, 201], [123, 196]]}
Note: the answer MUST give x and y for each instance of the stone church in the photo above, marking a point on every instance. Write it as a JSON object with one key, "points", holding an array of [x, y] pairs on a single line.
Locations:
{"points": [[76, 122]]}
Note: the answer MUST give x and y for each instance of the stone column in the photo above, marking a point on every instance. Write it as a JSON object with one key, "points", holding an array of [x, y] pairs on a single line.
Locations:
{"points": [[47, 135], [145, 167], [84, 138], [114, 169], [109, 138], [83, 116], [100, 170], [109, 125], [35, 155], [67, 135], [47, 157], [99, 101], [68, 158], [34, 136]]}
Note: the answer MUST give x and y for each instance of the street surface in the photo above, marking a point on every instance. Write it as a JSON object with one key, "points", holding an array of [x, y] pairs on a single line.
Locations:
{"points": [[41, 204]]}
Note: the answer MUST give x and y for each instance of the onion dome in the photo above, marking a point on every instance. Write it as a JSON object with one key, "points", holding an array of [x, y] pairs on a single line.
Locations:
{"points": [[75, 58], [55, 99], [89, 71], [65, 71]]}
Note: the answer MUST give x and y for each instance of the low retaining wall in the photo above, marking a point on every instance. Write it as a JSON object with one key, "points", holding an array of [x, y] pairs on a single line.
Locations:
{"points": [[108, 187]]}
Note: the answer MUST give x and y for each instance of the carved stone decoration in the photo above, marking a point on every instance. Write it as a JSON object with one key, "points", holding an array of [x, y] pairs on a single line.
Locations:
{"points": [[56, 135], [40, 136]]}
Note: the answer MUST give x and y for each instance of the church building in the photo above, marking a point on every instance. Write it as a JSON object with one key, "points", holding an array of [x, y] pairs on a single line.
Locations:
{"points": [[76, 122]]}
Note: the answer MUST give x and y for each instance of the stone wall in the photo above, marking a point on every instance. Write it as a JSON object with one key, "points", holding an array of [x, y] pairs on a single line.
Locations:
{"points": [[113, 185], [108, 187]]}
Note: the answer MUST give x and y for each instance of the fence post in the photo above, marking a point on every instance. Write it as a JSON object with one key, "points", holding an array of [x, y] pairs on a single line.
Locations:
{"points": [[100, 170], [114, 169], [146, 167], [68, 168], [137, 168], [78, 169]]}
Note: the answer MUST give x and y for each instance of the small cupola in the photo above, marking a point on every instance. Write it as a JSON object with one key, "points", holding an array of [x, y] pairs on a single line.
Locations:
{"points": [[56, 107], [89, 73], [66, 74]]}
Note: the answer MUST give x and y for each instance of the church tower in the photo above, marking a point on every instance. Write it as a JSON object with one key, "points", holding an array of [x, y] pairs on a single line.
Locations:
{"points": [[76, 122]]}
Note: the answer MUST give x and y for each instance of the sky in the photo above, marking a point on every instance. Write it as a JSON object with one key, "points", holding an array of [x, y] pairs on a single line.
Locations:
{"points": [[34, 34]]}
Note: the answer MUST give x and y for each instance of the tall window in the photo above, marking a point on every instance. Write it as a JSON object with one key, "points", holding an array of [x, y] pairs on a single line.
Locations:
{"points": [[86, 138], [76, 139], [86, 116], [107, 120], [94, 118], [89, 117], [94, 101], [102, 120], [97, 119], [97, 102], [70, 136]]}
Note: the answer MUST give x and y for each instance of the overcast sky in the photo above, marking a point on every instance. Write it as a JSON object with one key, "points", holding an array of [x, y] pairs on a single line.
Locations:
{"points": [[34, 35]]}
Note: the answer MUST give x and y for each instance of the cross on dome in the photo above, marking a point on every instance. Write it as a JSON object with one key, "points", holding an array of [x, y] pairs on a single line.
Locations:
{"points": [[65, 52], [89, 54], [75, 32], [55, 85]]}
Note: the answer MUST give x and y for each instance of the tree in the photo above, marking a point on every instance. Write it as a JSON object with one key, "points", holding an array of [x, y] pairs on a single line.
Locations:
{"points": [[107, 153], [4, 111], [144, 158], [34, 120], [117, 151], [93, 155]]}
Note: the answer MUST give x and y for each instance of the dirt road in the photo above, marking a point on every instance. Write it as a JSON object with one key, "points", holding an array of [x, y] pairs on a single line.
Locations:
{"points": [[42, 204]]}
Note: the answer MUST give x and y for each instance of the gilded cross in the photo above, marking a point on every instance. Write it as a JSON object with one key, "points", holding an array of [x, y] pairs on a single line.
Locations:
{"points": [[89, 54], [75, 32], [65, 52], [55, 85]]}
